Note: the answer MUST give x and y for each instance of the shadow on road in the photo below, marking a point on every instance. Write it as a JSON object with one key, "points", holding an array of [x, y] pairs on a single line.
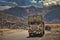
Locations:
{"points": [[34, 36]]}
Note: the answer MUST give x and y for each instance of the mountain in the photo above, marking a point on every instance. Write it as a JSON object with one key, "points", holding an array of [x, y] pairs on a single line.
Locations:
{"points": [[54, 13], [50, 13], [17, 11], [24, 11], [8, 17], [10, 21], [55, 21]]}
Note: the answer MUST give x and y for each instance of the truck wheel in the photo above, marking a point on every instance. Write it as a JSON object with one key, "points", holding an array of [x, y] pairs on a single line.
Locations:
{"points": [[30, 34], [41, 34]]}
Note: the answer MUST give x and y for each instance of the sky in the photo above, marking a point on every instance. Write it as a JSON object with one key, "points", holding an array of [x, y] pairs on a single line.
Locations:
{"points": [[17, 2], [50, 2], [6, 4]]}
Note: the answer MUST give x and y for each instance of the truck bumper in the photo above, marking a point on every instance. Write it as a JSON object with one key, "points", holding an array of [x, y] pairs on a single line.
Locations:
{"points": [[38, 32]]}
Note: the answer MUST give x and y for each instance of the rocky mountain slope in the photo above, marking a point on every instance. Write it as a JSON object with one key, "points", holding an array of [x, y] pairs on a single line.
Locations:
{"points": [[50, 13], [10, 21]]}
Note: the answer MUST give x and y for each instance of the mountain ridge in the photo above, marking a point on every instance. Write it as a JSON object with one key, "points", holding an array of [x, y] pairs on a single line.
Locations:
{"points": [[50, 13]]}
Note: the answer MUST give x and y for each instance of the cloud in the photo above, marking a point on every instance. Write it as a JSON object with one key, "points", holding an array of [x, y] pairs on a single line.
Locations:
{"points": [[50, 2], [3, 1], [5, 7], [26, 2], [13, 3], [10, 3], [33, 1]]}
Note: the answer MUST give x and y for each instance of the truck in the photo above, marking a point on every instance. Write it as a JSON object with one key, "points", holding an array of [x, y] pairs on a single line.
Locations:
{"points": [[36, 25]]}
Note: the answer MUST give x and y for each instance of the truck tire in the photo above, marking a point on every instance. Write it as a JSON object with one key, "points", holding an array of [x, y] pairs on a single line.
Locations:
{"points": [[30, 34], [41, 34]]}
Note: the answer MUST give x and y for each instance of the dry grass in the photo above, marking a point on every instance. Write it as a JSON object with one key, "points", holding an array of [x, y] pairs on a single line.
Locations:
{"points": [[53, 25], [55, 32], [9, 31]]}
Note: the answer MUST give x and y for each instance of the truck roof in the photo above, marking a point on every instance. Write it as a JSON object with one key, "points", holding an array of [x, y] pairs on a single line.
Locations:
{"points": [[34, 15], [34, 18]]}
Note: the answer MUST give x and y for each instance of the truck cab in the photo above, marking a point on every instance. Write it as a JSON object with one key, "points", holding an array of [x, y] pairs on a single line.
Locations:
{"points": [[35, 25]]}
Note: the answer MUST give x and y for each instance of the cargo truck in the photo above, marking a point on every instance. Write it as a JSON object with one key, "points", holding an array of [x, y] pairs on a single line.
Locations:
{"points": [[36, 25]]}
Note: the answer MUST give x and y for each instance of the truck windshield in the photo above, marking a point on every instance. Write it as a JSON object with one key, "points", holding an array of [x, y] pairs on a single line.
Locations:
{"points": [[34, 23]]}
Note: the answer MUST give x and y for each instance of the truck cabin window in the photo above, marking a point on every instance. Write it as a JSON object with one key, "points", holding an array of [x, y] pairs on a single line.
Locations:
{"points": [[35, 23]]}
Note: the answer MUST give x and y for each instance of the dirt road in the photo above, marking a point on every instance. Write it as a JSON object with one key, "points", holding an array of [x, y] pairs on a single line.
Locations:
{"points": [[49, 35]]}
